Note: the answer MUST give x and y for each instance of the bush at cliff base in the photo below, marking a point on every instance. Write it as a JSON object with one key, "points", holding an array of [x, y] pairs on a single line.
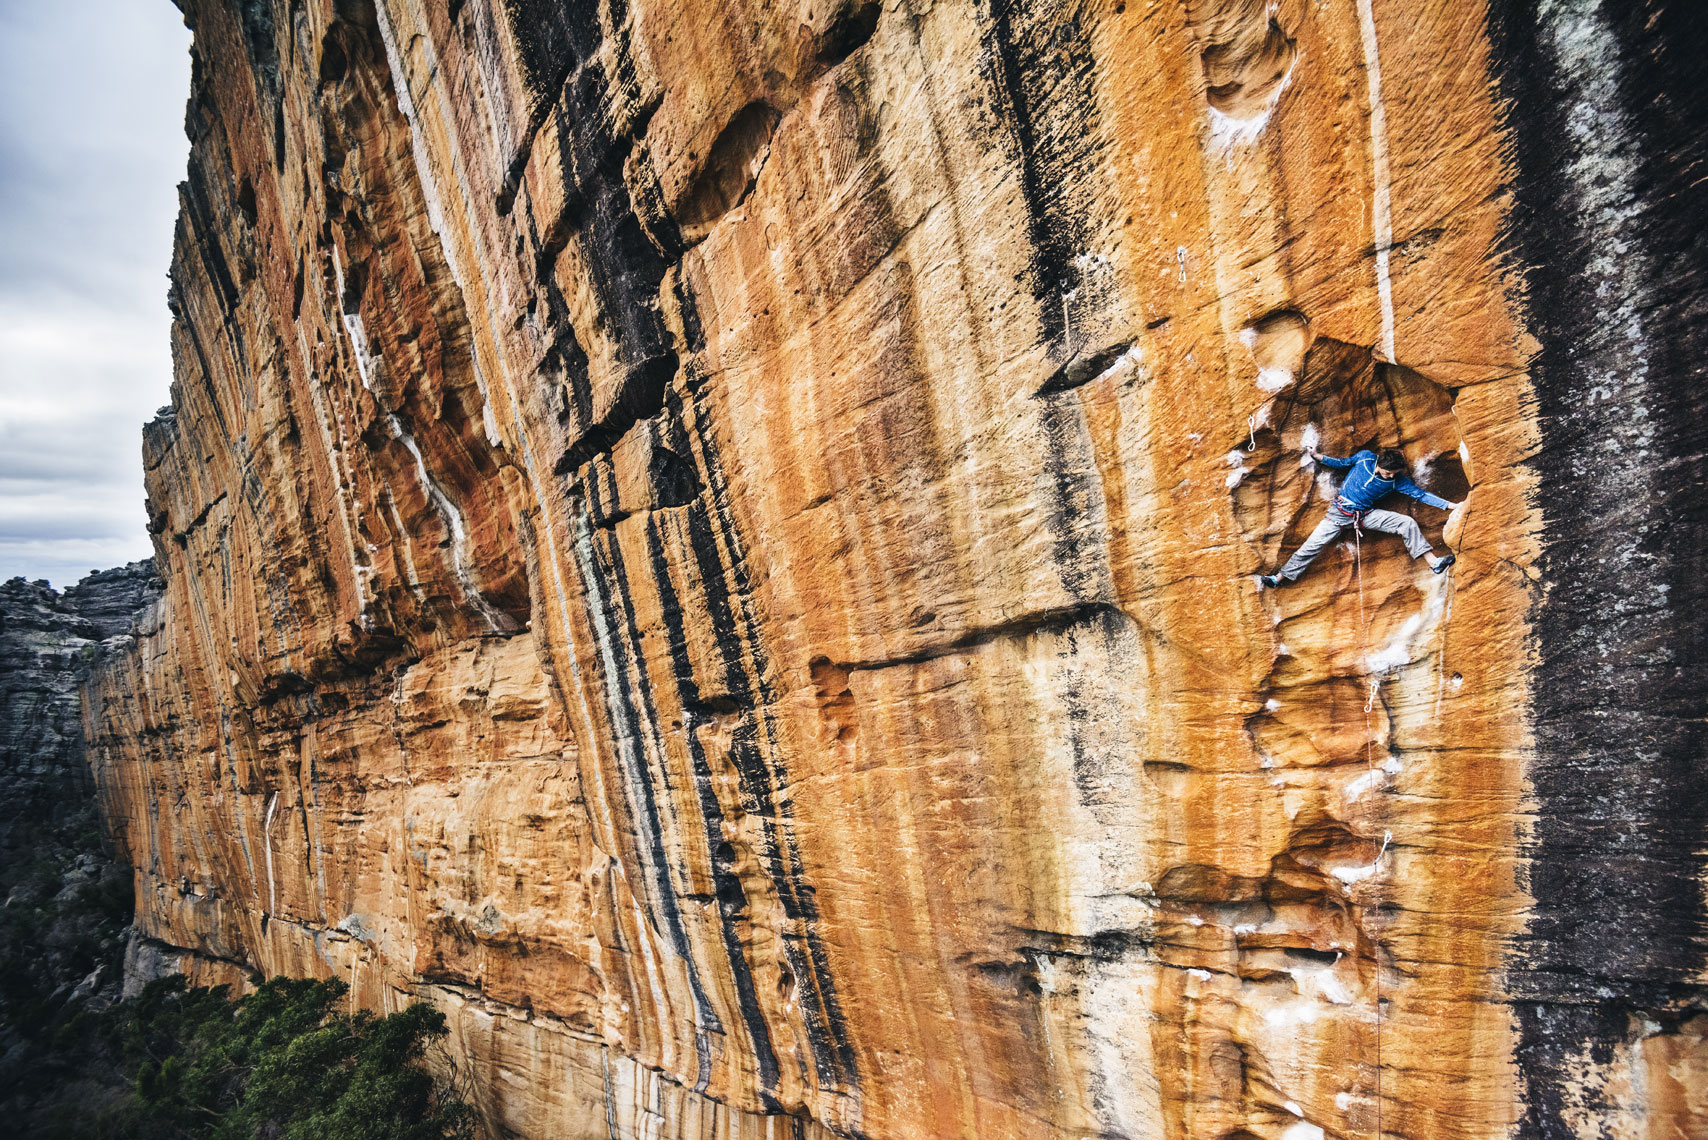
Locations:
{"points": [[282, 1063]]}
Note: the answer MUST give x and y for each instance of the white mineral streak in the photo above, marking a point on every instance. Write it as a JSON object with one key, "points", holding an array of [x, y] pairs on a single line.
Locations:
{"points": [[430, 190], [1381, 219], [1295, 1012], [402, 532], [342, 490], [453, 520], [1321, 982], [1356, 873], [366, 362], [267, 838], [553, 563], [1129, 362], [367, 366]]}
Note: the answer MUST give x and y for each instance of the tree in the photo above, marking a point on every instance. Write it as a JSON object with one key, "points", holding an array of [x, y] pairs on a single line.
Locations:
{"points": [[280, 1063]]}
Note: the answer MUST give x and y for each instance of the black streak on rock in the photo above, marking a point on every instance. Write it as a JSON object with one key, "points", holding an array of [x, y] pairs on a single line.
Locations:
{"points": [[747, 670], [1604, 115], [1041, 76], [731, 898], [605, 583]]}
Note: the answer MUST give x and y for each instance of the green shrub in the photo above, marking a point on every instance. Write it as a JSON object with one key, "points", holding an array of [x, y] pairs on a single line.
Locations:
{"points": [[282, 1062]]}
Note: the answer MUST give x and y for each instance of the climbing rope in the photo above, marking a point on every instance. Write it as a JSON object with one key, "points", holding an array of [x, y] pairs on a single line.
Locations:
{"points": [[1447, 609], [1370, 764], [1364, 639]]}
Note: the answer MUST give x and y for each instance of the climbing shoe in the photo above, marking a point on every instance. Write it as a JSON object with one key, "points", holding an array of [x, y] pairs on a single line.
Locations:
{"points": [[1446, 561], [1270, 581]]}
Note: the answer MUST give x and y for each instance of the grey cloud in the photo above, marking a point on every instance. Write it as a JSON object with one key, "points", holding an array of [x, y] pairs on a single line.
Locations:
{"points": [[92, 97]]}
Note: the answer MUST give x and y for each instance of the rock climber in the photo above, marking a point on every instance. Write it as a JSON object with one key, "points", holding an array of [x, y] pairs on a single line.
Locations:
{"points": [[1373, 476]]}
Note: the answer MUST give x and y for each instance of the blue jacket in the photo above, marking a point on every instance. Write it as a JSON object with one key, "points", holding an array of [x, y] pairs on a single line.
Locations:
{"points": [[1363, 489]]}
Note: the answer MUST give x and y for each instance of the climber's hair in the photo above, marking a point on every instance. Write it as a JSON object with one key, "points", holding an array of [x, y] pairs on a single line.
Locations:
{"points": [[1391, 460]]}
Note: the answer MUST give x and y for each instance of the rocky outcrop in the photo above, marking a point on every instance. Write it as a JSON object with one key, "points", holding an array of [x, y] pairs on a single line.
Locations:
{"points": [[718, 545], [66, 901], [47, 640]]}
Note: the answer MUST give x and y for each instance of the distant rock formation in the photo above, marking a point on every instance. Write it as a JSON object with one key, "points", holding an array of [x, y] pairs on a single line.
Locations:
{"points": [[65, 899], [48, 640], [718, 544]]}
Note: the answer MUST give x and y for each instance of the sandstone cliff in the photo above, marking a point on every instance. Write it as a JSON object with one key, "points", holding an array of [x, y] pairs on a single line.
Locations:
{"points": [[716, 543]]}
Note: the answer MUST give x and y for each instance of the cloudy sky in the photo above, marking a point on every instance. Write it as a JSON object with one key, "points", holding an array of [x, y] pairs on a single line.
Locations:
{"points": [[91, 151]]}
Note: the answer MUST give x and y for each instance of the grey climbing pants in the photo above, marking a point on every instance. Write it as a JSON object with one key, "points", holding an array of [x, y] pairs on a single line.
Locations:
{"points": [[1338, 520]]}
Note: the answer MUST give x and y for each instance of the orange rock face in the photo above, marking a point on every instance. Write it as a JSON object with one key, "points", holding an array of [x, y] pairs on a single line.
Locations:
{"points": [[717, 543]]}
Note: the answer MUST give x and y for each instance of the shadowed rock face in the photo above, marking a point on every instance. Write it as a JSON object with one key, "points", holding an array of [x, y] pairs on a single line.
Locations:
{"points": [[61, 928], [48, 639], [717, 545]]}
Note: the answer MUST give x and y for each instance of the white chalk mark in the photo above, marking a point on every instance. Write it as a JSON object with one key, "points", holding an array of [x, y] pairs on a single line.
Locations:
{"points": [[1227, 132], [1398, 651], [1365, 783]]}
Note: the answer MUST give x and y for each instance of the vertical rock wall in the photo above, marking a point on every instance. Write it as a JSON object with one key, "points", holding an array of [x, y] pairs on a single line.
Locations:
{"points": [[716, 542], [1609, 973]]}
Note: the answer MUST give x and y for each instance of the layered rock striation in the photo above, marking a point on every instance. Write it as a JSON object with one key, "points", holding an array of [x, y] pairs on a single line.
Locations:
{"points": [[717, 543]]}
